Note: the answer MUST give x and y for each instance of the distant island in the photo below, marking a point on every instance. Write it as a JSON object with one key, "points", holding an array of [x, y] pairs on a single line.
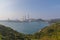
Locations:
{"points": [[27, 20], [54, 20]]}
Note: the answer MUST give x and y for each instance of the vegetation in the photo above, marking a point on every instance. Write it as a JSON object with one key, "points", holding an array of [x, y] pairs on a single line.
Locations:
{"points": [[51, 32], [7, 33]]}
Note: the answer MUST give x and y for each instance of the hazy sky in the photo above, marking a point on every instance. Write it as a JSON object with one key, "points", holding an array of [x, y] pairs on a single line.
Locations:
{"points": [[16, 9]]}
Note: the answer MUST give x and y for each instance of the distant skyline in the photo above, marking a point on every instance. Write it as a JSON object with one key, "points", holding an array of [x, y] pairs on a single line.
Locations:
{"points": [[16, 9]]}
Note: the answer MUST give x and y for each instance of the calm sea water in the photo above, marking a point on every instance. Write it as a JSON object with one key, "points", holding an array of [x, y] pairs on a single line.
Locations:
{"points": [[29, 27]]}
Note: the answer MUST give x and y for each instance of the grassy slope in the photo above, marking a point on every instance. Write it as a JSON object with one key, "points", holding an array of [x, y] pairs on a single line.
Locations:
{"points": [[7, 33], [51, 32]]}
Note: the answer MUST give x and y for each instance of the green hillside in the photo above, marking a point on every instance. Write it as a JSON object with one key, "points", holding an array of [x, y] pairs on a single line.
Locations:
{"points": [[7, 33], [51, 32]]}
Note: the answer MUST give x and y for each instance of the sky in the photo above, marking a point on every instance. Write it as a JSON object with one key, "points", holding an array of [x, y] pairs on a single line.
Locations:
{"points": [[17, 9]]}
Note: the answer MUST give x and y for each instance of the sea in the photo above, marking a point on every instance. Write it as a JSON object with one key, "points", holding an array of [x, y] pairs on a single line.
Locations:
{"points": [[25, 27]]}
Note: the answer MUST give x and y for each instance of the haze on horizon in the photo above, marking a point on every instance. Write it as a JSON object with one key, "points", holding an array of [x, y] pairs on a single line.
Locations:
{"points": [[16, 9]]}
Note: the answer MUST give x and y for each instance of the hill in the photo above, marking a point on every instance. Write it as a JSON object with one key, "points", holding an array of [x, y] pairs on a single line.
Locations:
{"points": [[54, 20], [51, 32], [7, 33]]}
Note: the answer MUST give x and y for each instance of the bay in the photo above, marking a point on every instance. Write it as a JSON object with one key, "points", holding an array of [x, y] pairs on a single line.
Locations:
{"points": [[25, 27]]}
